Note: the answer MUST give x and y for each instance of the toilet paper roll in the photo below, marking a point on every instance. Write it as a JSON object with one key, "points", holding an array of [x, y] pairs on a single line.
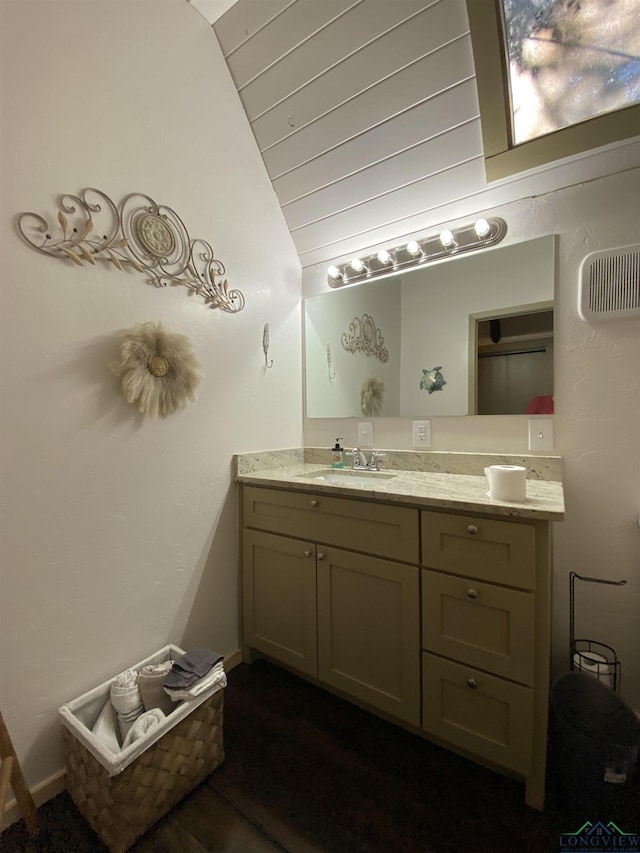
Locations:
{"points": [[507, 482], [596, 665]]}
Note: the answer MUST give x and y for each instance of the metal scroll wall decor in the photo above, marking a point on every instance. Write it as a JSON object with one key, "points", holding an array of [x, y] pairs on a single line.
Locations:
{"points": [[139, 233], [363, 336]]}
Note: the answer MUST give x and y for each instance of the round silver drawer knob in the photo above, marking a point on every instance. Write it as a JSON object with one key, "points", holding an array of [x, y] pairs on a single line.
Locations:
{"points": [[307, 553], [472, 529], [321, 555], [472, 683], [472, 593], [314, 504]]}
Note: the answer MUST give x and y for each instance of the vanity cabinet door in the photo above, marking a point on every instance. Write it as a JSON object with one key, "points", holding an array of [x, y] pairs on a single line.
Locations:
{"points": [[279, 598], [369, 630], [483, 715], [491, 627]]}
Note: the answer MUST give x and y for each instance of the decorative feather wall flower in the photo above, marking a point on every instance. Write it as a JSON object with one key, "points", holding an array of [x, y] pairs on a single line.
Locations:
{"points": [[371, 395], [159, 369]]}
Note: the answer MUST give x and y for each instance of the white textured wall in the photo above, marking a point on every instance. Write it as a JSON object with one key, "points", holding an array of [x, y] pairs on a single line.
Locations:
{"points": [[119, 533], [597, 420], [327, 319]]}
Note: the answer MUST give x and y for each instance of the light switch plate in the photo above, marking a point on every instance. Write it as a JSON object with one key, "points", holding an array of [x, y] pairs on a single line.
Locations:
{"points": [[365, 434], [540, 434], [422, 434]]}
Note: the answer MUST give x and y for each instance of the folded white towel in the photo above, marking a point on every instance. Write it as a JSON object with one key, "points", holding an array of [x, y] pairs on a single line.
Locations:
{"points": [[145, 722], [216, 677], [126, 700], [105, 728], [128, 678]]}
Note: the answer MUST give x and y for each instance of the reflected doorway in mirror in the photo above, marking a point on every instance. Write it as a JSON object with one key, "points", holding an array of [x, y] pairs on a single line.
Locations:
{"points": [[515, 372]]}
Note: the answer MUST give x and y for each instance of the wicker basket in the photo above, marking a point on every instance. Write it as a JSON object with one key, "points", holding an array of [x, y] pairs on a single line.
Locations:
{"points": [[121, 808]]}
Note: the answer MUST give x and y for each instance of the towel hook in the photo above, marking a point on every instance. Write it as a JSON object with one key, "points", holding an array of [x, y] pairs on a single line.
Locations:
{"points": [[265, 346], [331, 375]]}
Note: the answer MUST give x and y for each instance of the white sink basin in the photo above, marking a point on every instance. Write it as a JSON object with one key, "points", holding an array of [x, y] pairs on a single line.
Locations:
{"points": [[347, 475]]}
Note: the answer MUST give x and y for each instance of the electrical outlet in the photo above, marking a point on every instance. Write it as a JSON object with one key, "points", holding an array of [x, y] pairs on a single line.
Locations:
{"points": [[540, 434], [365, 434], [422, 434]]}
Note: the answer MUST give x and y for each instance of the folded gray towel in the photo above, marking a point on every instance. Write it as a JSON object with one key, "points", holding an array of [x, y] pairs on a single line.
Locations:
{"points": [[192, 666], [198, 660], [150, 681], [215, 678]]}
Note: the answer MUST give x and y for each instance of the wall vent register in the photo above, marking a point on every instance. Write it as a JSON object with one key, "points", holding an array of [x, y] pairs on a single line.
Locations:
{"points": [[609, 285]]}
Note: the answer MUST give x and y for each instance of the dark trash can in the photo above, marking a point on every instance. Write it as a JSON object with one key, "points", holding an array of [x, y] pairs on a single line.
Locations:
{"points": [[596, 740]]}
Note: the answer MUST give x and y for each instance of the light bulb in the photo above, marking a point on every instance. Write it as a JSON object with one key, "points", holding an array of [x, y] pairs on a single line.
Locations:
{"points": [[482, 228], [413, 248], [334, 272], [446, 238], [357, 265], [384, 257]]}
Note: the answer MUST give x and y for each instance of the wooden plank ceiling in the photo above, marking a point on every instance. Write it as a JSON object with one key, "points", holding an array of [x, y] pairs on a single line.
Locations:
{"points": [[365, 112]]}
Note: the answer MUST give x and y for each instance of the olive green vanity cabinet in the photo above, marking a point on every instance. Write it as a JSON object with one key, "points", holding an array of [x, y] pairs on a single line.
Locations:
{"points": [[345, 617], [438, 619]]}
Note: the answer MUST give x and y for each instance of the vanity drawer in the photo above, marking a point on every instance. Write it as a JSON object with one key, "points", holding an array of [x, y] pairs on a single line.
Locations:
{"points": [[380, 529], [478, 547], [479, 713], [487, 626]]}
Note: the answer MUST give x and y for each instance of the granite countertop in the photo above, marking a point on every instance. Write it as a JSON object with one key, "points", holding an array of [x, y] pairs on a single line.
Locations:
{"points": [[419, 488]]}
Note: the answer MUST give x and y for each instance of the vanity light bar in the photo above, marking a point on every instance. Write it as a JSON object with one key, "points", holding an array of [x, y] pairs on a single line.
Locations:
{"points": [[478, 235]]}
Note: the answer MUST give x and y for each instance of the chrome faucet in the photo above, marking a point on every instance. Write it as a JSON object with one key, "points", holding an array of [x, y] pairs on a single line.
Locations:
{"points": [[373, 462], [360, 460]]}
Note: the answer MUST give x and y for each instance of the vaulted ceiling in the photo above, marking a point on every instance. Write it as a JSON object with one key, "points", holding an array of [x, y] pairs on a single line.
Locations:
{"points": [[365, 113]]}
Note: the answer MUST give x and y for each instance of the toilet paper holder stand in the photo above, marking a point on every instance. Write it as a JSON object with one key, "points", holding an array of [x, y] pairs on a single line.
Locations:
{"points": [[591, 656]]}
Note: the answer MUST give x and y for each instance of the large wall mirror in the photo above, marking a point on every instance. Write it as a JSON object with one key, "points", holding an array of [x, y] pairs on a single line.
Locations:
{"points": [[469, 335]]}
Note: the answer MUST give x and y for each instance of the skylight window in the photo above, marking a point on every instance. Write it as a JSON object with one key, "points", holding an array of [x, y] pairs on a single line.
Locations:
{"points": [[555, 78], [569, 61]]}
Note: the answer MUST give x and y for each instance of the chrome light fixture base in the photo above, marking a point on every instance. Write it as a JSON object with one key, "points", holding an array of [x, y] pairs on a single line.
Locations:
{"points": [[417, 253]]}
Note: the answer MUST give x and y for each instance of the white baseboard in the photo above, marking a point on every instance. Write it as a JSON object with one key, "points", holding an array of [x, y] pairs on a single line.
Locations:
{"points": [[41, 793], [233, 660]]}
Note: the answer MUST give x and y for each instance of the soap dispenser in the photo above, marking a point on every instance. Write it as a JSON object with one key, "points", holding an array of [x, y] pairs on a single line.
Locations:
{"points": [[337, 455]]}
